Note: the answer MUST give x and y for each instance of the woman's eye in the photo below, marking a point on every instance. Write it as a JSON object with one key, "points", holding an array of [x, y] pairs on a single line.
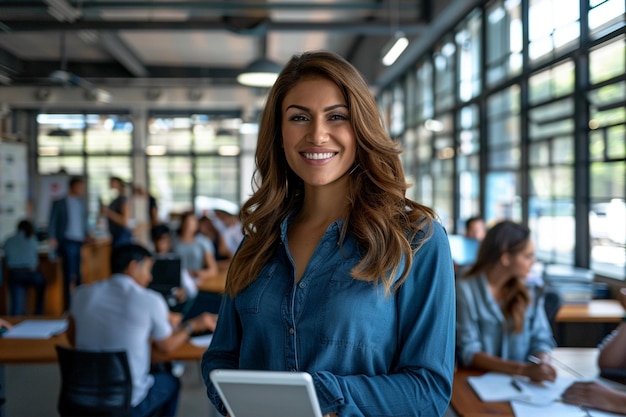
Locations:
{"points": [[338, 116], [298, 118]]}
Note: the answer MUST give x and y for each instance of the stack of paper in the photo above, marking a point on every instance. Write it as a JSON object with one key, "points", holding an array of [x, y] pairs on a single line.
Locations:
{"points": [[494, 386], [36, 329]]}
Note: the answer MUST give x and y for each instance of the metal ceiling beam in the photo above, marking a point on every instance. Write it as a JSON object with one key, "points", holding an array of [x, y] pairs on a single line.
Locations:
{"points": [[88, 7], [348, 27], [116, 47]]}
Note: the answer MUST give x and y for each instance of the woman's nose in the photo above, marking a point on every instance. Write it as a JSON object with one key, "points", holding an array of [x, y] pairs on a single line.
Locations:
{"points": [[318, 133]]}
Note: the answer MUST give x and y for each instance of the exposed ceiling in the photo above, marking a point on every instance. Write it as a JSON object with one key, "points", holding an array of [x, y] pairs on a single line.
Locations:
{"points": [[186, 42]]}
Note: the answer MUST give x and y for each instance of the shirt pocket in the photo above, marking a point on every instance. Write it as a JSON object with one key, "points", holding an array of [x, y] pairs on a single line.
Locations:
{"points": [[249, 300], [355, 314]]}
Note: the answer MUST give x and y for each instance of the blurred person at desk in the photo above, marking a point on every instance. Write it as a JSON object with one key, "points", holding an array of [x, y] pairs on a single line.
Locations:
{"points": [[121, 313], [612, 364], [163, 245], [475, 228], [67, 232], [502, 323], [21, 254], [340, 274], [197, 255]]}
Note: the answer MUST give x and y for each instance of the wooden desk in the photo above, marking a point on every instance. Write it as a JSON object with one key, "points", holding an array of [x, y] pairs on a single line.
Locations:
{"points": [[32, 351], [597, 311], [574, 362]]}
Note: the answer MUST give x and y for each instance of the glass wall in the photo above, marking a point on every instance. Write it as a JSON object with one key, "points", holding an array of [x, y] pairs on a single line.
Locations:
{"points": [[526, 120], [190, 157], [95, 146]]}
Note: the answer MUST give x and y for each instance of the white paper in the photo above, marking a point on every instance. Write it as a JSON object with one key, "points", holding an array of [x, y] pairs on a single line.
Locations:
{"points": [[202, 341], [555, 409], [494, 386], [36, 329]]}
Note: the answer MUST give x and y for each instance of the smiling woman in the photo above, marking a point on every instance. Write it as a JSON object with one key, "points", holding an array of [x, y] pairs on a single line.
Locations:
{"points": [[329, 222]]}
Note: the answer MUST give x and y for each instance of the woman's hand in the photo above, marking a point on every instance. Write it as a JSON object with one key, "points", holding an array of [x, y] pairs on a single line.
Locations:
{"points": [[539, 372], [596, 395]]}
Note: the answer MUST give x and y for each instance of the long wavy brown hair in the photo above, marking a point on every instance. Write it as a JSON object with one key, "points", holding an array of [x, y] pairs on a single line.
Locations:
{"points": [[505, 237], [380, 217]]}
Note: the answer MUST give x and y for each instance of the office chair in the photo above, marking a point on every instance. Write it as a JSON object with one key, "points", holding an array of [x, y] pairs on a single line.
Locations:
{"points": [[94, 384]]}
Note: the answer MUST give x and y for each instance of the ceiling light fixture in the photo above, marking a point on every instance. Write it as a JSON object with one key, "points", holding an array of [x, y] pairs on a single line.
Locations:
{"points": [[394, 48], [62, 11], [399, 42], [260, 73]]}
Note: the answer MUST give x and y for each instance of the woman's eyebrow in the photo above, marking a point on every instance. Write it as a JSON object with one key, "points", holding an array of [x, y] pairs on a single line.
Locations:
{"points": [[329, 108]]}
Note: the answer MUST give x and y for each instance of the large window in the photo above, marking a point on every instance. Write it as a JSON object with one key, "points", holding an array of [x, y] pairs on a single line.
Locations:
{"points": [[504, 40], [554, 27], [503, 188], [468, 160], [551, 161], [191, 156], [607, 151], [96, 146], [468, 44]]}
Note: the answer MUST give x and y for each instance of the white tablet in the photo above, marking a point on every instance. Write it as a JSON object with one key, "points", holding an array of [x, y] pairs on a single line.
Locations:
{"points": [[266, 393]]}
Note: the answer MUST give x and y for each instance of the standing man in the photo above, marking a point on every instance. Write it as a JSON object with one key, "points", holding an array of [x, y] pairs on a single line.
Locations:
{"points": [[67, 231], [121, 313]]}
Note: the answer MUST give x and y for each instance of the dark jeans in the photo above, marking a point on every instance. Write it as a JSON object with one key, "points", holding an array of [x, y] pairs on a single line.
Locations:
{"points": [[19, 281], [69, 250], [162, 399]]}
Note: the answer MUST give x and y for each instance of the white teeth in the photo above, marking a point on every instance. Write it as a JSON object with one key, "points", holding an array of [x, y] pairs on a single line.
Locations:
{"points": [[319, 155]]}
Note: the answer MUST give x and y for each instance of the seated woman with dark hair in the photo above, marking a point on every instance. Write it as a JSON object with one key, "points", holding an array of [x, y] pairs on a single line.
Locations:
{"points": [[501, 323], [22, 261]]}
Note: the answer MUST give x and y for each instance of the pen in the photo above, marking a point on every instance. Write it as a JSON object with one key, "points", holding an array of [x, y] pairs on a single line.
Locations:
{"points": [[534, 359], [516, 384]]}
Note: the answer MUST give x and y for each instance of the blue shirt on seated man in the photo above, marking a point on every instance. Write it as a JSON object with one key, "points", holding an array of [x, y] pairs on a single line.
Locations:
{"points": [[121, 313]]}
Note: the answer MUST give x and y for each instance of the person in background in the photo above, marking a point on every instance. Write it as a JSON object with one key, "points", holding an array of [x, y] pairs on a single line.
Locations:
{"points": [[229, 227], [340, 275], [162, 240], [475, 228], [501, 324], [223, 254], [22, 261], [121, 313], [196, 252], [612, 359], [118, 214], [68, 232]]}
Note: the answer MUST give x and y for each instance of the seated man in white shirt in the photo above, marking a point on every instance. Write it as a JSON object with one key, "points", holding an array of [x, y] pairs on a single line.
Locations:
{"points": [[122, 314]]}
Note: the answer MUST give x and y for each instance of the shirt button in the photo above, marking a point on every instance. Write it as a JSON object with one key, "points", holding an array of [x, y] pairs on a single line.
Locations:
{"points": [[302, 285], [291, 331]]}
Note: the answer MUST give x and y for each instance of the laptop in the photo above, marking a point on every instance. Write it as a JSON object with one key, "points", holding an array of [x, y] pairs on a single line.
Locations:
{"points": [[266, 393], [166, 274]]}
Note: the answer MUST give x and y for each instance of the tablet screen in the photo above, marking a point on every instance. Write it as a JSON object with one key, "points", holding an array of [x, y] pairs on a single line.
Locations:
{"points": [[266, 393]]}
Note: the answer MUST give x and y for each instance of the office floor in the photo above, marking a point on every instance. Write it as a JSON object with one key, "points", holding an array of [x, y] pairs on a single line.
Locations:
{"points": [[32, 392]]}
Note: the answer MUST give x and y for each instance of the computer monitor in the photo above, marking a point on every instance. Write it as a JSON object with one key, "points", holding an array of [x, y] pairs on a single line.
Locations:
{"points": [[166, 274]]}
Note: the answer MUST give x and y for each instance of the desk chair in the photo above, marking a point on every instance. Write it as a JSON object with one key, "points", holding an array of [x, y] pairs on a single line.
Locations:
{"points": [[94, 384]]}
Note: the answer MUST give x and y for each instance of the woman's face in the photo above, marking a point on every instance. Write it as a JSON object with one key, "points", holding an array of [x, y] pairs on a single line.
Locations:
{"points": [[190, 224], [522, 261], [318, 139]]}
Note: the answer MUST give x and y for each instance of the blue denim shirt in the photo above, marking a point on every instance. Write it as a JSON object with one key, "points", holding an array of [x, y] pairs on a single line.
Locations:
{"points": [[480, 325], [369, 354]]}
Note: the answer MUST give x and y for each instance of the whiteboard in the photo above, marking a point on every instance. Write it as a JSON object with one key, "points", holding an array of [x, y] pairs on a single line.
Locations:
{"points": [[49, 188]]}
